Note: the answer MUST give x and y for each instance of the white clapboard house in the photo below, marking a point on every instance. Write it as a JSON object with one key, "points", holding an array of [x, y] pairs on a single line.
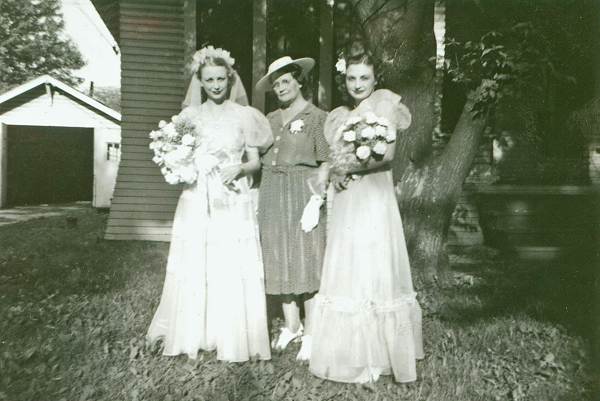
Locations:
{"points": [[56, 145]]}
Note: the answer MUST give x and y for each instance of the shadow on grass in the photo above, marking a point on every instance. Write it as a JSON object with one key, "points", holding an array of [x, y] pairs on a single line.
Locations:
{"points": [[78, 308], [560, 292]]}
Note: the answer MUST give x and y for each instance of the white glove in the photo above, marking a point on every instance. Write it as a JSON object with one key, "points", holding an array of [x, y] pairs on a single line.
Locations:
{"points": [[310, 215]]}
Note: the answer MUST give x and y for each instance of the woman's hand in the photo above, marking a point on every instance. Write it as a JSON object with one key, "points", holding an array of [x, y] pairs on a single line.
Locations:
{"points": [[230, 173], [321, 186], [340, 182]]}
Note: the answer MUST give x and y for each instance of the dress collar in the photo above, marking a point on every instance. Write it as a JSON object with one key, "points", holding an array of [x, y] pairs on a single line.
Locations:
{"points": [[304, 111]]}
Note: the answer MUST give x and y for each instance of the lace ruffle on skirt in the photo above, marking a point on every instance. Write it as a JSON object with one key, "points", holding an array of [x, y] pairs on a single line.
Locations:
{"points": [[371, 338]]}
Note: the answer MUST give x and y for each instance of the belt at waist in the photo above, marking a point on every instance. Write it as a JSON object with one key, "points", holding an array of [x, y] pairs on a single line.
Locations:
{"points": [[282, 169]]}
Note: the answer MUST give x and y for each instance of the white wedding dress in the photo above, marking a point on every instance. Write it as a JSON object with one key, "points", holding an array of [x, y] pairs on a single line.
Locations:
{"points": [[213, 295]]}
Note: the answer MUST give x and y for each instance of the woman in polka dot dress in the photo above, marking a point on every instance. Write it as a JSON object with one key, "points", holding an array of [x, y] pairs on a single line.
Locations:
{"points": [[292, 257]]}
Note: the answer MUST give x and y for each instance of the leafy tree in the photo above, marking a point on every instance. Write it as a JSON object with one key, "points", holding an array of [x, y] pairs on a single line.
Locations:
{"points": [[536, 66], [109, 96], [32, 43]]}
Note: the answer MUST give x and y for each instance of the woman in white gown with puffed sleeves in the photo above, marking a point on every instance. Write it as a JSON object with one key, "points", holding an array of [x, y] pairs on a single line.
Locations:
{"points": [[366, 321], [213, 296]]}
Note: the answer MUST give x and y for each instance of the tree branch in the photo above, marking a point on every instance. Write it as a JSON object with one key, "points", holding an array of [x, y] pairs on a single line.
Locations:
{"points": [[375, 12], [460, 151]]}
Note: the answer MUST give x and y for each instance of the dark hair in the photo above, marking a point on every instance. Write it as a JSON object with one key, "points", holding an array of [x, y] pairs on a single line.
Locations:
{"points": [[218, 62], [357, 53]]}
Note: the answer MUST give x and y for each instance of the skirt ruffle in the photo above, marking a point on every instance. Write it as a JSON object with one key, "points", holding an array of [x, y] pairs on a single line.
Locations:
{"points": [[213, 296], [372, 338], [367, 320]]}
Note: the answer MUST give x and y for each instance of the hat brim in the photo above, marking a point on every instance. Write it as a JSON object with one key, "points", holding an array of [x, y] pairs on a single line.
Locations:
{"points": [[305, 63]]}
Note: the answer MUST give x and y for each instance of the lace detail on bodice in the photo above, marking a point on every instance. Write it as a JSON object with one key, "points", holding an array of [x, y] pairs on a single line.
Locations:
{"points": [[222, 138], [226, 134]]}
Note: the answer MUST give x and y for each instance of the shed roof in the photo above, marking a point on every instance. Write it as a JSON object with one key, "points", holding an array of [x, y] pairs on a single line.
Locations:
{"points": [[109, 12], [46, 79]]}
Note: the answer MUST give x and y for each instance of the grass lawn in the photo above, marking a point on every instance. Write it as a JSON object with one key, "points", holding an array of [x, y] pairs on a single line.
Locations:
{"points": [[75, 309]]}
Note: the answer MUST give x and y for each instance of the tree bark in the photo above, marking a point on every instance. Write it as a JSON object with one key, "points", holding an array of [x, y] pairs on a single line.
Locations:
{"points": [[400, 33]]}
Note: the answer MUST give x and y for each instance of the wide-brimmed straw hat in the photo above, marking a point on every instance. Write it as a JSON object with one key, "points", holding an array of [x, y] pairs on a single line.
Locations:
{"points": [[305, 63]]}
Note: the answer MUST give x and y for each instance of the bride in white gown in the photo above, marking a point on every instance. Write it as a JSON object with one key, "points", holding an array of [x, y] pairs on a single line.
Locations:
{"points": [[213, 295]]}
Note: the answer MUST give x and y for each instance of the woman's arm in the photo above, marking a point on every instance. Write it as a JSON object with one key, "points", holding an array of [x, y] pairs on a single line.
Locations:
{"points": [[322, 178], [253, 164], [232, 173]]}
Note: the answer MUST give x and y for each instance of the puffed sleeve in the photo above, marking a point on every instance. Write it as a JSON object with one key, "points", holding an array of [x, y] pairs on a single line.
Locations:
{"points": [[256, 129], [388, 104], [321, 146], [334, 121]]}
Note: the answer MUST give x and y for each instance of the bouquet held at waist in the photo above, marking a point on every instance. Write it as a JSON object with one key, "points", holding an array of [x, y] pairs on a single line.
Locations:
{"points": [[173, 144], [360, 139]]}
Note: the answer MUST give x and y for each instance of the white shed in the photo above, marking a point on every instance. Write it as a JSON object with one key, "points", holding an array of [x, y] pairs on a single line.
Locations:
{"points": [[56, 145]]}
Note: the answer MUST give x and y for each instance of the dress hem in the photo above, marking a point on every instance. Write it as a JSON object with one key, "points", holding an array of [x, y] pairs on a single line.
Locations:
{"points": [[339, 380], [301, 292]]}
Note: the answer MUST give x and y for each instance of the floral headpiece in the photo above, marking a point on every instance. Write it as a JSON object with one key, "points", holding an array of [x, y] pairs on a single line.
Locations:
{"points": [[340, 66], [209, 52]]}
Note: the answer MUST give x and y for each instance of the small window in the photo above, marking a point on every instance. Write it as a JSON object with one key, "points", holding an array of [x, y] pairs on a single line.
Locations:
{"points": [[113, 151]]}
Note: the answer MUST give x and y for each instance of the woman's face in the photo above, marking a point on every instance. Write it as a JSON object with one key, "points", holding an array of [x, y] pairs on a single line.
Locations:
{"points": [[214, 81], [286, 88], [360, 81]]}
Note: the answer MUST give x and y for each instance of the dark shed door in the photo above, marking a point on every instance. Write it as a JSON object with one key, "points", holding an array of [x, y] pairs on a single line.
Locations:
{"points": [[49, 165]]}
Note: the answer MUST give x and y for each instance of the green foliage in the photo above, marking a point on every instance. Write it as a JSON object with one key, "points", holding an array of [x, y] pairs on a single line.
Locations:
{"points": [[586, 121], [32, 43], [293, 28], [528, 65], [109, 96], [521, 50], [512, 63], [75, 309]]}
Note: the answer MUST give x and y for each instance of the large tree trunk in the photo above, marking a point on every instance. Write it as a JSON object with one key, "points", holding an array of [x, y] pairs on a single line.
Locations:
{"points": [[428, 195], [400, 32]]}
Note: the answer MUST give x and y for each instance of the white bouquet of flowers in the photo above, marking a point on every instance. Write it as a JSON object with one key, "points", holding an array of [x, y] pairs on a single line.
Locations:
{"points": [[173, 145], [360, 139]]}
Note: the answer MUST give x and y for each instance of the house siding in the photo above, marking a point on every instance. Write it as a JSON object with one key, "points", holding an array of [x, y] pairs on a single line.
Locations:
{"points": [[152, 80]]}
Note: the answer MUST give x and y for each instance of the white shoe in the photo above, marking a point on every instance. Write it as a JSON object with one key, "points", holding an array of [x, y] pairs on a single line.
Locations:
{"points": [[285, 337], [368, 375], [304, 353]]}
